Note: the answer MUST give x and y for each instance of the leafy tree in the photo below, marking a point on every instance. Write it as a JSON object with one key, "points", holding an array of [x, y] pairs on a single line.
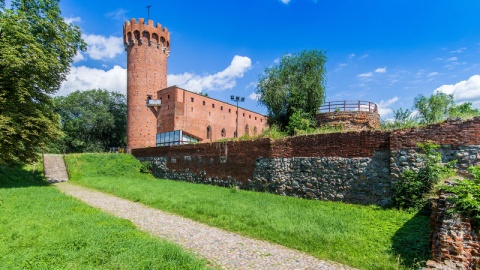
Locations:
{"points": [[435, 108], [36, 49], [295, 84], [463, 110], [92, 121]]}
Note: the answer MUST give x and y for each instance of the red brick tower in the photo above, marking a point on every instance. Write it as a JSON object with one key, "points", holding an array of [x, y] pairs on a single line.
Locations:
{"points": [[147, 49]]}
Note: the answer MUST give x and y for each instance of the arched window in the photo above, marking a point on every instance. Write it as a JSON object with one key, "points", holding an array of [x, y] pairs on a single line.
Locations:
{"points": [[136, 35], [247, 130], [129, 37], [209, 133], [224, 133], [255, 131], [155, 38]]}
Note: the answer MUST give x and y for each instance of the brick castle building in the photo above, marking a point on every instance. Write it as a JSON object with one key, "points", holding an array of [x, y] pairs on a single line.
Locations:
{"points": [[157, 115]]}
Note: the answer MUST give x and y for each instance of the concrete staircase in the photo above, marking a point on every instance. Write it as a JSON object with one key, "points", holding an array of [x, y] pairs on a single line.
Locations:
{"points": [[54, 167]]}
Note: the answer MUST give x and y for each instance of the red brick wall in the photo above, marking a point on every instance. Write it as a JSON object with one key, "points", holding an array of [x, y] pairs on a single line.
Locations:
{"points": [[146, 74], [348, 145], [454, 133], [221, 160]]}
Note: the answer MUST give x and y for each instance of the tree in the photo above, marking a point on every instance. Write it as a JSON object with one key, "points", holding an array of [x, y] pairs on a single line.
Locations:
{"points": [[295, 84], [435, 108], [92, 121], [463, 110], [36, 49]]}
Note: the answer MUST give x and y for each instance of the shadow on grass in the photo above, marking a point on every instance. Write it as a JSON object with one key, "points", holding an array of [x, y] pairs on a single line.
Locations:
{"points": [[17, 176], [412, 241]]}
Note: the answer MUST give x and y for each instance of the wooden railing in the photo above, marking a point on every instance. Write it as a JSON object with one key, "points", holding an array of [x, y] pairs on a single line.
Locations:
{"points": [[348, 105]]}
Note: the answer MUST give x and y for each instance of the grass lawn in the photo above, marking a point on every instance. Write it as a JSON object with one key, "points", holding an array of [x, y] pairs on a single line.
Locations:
{"points": [[365, 237], [41, 228]]}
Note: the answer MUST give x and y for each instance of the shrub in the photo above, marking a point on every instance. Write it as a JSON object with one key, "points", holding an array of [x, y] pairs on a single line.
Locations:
{"points": [[467, 195], [411, 190], [300, 121]]}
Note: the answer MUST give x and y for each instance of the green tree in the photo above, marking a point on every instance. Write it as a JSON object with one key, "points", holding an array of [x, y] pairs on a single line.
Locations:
{"points": [[435, 108], [92, 121], [463, 110], [36, 49], [295, 84]]}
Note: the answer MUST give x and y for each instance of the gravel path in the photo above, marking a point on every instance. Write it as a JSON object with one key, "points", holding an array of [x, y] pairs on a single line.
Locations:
{"points": [[222, 248]]}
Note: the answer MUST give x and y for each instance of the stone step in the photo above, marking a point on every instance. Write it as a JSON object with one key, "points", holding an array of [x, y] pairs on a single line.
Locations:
{"points": [[54, 167]]}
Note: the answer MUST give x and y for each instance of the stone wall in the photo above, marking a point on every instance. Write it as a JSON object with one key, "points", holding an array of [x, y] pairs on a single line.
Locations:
{"points": [[363, 180], [455, 241]]}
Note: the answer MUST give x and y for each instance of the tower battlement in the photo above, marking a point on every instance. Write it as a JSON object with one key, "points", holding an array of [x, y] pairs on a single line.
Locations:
{"points": [[140, 33]]}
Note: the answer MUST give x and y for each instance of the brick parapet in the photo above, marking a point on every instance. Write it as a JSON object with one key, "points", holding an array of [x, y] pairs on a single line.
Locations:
{"points": [[451, 132]]}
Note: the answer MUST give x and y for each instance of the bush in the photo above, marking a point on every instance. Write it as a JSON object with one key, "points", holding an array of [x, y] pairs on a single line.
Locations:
{"points": [[300, 121], [411, 190], [467, 195]]}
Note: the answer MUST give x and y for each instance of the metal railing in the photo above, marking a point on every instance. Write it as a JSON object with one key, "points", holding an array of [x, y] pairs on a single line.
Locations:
{"points": [[348, 105]]}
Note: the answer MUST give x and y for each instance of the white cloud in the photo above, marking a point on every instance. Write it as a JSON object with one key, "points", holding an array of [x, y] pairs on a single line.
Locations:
{"points": [[451, 59], [432, 74], [365, 75], [381, 70], [222, 80], [73, 20], [363, 56], [103, 48], [118, 14], [78, 57], [285, 1], [340, 66], [383, 106], [468, 90], [85, 78], [254, 96], [459, 50]]}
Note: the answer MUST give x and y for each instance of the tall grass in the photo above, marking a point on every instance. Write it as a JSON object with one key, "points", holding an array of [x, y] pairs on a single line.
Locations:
{"points": [[42, 228], [366, 237]]}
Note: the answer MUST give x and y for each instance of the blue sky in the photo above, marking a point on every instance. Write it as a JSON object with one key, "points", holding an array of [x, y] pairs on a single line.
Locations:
{"points": [[384, 51]]}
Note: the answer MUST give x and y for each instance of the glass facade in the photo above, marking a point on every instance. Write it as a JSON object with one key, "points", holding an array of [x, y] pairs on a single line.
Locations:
{"points": [[174, 138]]}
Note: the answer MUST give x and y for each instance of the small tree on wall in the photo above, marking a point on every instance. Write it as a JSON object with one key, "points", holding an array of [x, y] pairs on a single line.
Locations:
{"points": [[295, 85]]}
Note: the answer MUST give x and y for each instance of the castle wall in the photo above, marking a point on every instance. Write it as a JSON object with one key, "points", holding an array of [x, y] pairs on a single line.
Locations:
{"points": [[355, 167], [194, 113]]}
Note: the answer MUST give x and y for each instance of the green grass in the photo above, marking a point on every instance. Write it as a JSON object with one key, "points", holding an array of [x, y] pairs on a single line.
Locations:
{"points": [[366, 237], [41, 228]]}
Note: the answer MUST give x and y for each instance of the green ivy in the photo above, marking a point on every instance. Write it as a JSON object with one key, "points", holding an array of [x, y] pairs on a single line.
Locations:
{"points": [[467, 195], [410, 192]]}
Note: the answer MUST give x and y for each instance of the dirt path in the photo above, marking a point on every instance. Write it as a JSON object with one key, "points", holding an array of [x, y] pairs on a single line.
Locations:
{"points": [[222, 248]]}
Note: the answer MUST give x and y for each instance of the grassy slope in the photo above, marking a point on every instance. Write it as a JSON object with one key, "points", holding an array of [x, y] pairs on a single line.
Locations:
{"points": [[42, 228], [360, 236]]}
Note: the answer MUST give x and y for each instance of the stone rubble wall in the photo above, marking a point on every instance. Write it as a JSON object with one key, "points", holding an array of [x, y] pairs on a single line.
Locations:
{"points": [[455, 241], [411, 159], [355, 180]]}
